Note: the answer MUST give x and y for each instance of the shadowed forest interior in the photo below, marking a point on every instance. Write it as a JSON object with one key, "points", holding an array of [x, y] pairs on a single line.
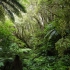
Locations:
{"points": [[34, 34]]}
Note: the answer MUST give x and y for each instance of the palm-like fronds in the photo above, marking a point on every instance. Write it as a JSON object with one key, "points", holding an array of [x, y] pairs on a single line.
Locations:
{"points": [[12, 7], [50, 34]]}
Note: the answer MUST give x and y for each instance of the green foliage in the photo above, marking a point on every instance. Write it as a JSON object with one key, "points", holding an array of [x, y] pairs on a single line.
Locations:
{"points": [[1, 64], [46, 29], [62, 45], [5, 33], [15, 49], [2, 18], [9, 44]]}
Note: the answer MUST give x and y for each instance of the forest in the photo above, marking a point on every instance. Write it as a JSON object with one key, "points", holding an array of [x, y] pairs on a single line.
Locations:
{"points": [[34, 34]]}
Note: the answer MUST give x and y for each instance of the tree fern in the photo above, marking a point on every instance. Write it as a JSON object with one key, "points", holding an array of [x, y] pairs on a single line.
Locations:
{"points": [[11, 7]]}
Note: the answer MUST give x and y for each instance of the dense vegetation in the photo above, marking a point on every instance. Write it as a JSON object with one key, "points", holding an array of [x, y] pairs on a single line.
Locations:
{"points": [[34, 35]]}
